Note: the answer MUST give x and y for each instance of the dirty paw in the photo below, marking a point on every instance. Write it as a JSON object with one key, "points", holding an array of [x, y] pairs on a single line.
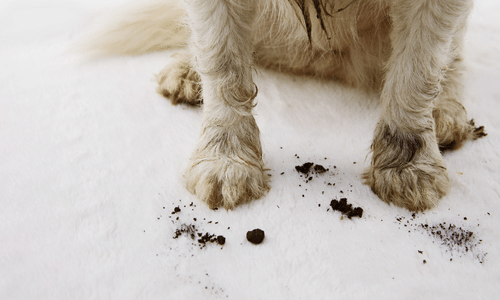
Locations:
{"points": [[414, 187], [179, 82], [223, 182], [406, 168]]}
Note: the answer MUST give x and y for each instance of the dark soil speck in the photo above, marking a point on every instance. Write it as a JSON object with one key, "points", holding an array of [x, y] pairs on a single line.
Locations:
{"points": [[176, 210]]}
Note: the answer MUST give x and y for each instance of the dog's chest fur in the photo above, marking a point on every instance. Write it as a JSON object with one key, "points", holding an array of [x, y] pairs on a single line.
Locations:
{"points": [[336, 21], [344, 39]]}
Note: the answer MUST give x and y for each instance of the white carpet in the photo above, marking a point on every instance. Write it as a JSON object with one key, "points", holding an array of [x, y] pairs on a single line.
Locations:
{"points": [[91, 163]]}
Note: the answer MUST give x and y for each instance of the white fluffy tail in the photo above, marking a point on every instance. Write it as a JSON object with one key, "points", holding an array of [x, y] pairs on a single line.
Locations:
{"points": [[141, 28]]}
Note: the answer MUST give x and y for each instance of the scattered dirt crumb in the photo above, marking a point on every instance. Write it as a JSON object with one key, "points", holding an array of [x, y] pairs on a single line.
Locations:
{"points": [[455, 240], [191, 231], [452, 237], [187, 229], [211, 238]]}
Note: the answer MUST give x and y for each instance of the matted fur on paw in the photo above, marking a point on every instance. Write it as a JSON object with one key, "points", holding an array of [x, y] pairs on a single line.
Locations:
{"points": [[452, 126], [414, 187], [407, 169]]}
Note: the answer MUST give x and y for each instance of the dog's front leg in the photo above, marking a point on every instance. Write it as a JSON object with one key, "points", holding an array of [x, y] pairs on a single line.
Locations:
{"points": [[407, 168], [226, 168]]}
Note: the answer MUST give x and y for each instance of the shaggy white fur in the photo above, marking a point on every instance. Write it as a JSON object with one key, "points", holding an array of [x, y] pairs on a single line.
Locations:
{"points": [[417, 64], [91, 163]]}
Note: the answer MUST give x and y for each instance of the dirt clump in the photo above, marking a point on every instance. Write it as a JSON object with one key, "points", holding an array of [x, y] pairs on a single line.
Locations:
{"points": [[346, 208], [310, 167], [304, 169], [211, 238], [255, 236], [319, 169]]}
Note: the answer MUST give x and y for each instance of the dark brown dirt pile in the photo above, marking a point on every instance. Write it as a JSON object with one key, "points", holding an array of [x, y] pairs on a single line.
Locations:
{"points": [[346, 208], [255, 236], [307, 168]]}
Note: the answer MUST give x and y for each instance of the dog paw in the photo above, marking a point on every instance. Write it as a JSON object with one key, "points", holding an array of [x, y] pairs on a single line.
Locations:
{"points": [[414, 187], [179, 82], [452, 126], [224, 182], [407, 169], [226, 168]]}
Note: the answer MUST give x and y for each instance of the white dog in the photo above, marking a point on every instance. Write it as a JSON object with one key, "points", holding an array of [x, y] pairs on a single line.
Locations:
{"points": [[410, 51]]}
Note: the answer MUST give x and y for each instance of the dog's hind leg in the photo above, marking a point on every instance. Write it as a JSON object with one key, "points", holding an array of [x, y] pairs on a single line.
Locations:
{"points": [[179, 82], [453, 127], [226, 168], [407, 168]]}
